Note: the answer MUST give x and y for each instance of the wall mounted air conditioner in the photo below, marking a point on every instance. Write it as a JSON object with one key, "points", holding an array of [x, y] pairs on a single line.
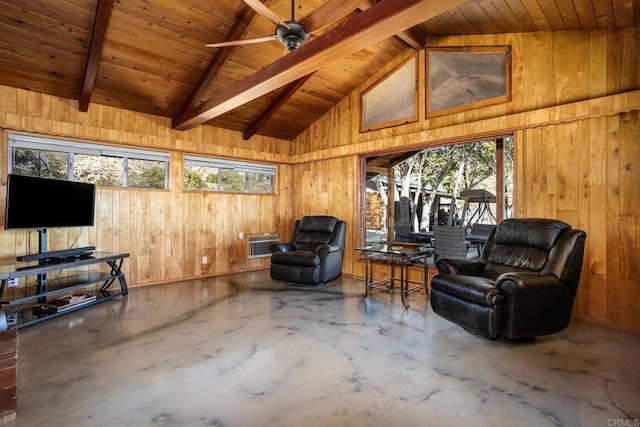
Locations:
{"points": [[258, 245]]}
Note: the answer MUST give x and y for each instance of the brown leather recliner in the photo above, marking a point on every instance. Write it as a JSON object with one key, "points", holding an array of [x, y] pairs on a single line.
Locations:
{"points": [[523, 285], [314, 253]]}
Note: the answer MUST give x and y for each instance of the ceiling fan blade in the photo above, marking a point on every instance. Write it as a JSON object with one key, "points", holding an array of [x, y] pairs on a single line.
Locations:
{"points": [[264, 11], [328, 13], [242, 42]]}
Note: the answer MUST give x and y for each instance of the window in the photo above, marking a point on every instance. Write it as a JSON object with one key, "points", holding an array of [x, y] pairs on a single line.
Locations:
{"points": [[461, 184], [467, 77], [93, 163], [393, 100], [209, 174]]}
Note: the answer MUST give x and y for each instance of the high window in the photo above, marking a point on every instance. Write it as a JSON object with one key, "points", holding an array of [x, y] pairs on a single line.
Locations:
{"points": [[210, 174], [462, 78], [93, 163], [393, 100]]}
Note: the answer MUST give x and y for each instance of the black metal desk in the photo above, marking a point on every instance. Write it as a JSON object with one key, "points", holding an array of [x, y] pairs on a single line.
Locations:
{"points": [[397, 256]]}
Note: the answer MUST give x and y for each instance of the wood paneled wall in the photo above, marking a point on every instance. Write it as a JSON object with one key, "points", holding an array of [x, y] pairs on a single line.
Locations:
{"points": [[586, 173], [548, 69], [167, 232], [574, 115]]}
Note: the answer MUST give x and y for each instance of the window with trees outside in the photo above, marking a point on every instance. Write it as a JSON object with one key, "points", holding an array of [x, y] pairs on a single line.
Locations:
{"points": [[210, 174], [93, 163], [454, 185]]}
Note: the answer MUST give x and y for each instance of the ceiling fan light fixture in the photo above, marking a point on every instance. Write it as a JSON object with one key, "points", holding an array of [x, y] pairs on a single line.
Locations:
{"points": [[293, 37]]}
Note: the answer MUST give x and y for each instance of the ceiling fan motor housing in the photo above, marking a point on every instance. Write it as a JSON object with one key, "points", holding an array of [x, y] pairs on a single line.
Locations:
{"points": [[293, 37]]}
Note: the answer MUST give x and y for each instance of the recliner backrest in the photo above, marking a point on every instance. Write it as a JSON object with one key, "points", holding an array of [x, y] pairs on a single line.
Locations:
{"points": [[565, 258], [531, 244], [309, 232]]}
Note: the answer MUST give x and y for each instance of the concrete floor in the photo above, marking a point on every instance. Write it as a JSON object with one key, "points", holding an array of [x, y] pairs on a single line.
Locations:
{"points": [[242, 350]]}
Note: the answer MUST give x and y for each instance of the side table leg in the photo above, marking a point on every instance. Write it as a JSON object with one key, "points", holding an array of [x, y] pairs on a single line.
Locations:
{"points": [[393, 276], [404, 285], [367, 277], [426, 278]]}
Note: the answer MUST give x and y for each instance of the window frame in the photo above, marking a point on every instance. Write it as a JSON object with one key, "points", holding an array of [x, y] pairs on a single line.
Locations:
{"points": [[220, 164], [506, 50], [72, 147], [499, 173], [396, 122]]}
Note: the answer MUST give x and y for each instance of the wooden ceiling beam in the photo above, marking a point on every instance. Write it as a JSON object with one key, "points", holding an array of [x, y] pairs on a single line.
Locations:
{"points": [[100, 26], [373, 25], [413, 37], [275, 105], [244, 16]]}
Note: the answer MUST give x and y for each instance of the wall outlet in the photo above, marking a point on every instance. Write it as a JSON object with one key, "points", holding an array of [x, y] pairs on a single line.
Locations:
{"points": [[240, 236], [205, 260], [12, 283], [12, 319]]}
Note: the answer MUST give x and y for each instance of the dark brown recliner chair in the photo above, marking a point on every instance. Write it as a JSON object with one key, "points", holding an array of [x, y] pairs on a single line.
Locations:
{"points": [[523, 285], [313, 255]]}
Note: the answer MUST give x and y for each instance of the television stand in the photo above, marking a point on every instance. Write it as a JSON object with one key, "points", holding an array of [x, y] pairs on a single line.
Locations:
{"points": [[94, 275], [63, 254], [57, 257]]}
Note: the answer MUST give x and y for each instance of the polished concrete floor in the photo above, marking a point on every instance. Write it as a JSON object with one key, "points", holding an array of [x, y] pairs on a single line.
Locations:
{"points": [[242, 350]]}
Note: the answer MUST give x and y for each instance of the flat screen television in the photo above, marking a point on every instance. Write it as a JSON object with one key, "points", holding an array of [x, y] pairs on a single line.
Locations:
{"points": [[48, 203]]}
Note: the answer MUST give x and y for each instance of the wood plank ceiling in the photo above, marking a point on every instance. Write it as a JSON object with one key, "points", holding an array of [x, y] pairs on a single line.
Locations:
{"points": [[150, 55]]}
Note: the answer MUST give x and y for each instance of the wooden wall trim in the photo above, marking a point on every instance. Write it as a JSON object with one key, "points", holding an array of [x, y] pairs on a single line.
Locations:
{"points": [[46, 115], [491, 127]]}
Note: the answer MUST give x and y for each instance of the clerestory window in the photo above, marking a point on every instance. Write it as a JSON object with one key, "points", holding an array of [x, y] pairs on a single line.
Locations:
{"points": [[211, 174], [463, 78], [83, 162]]}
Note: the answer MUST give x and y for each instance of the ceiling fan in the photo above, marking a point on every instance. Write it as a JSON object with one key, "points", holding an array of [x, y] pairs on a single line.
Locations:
{"points": [[293, 34]]}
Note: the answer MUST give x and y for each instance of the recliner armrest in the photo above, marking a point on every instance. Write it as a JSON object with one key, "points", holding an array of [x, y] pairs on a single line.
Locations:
{"points": [[460, 266], [512, 283], [328, 248], [281, 247]]}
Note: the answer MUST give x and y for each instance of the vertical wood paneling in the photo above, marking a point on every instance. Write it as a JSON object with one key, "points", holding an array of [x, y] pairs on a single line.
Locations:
{"points": [[548, 69], [597, 281], [167, 232], [582, 171], [565, 66], [566, 154], [629, 168], [611, 295], [628, 309], [592, 159], [327, 187]]}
